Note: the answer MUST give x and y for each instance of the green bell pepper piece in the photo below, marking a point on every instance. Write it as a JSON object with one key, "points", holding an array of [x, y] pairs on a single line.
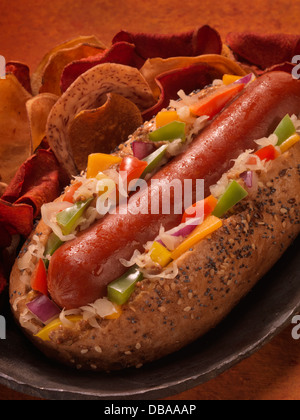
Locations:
{"points": [[67, 219], [169, 132], [52, 245], [233, 195], [120, 290], [154, 160], [285, 129]]}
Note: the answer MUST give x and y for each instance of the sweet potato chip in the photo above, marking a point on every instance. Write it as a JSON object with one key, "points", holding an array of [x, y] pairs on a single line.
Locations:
{"points": [[101, 130], [156, 66], [88, 92], [120, 53], [263, 51], [37, 76], [14, 127], [203, 40], [58, 61], [38, 109], [21, 72]]}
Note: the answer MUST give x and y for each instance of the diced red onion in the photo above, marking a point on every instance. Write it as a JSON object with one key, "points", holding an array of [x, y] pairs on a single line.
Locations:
{"points": [[44, 309], [247, 177], [246, 79], [251, 179], [141, 149], [183, 230]]}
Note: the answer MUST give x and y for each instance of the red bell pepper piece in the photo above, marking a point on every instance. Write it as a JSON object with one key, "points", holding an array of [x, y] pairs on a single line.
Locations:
{"points": [[133, 168], [212, 104], [194, 211], [69, 195], [267, 153], [39, 278]]}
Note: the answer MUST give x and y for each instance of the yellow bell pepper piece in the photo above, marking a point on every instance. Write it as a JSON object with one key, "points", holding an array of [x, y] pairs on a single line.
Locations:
{"points": [[291, 141], [230, 78], [209, 225], [99, 162], [116, 314], [44, 333], [160, 255], [166, 117], [100, 176]]}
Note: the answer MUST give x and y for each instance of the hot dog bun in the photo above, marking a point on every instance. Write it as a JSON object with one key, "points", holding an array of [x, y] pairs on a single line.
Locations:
{"points": [[163, 315]]}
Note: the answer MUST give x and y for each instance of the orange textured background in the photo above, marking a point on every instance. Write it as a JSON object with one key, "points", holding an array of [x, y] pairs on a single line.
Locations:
{"points": [[28, 29]]}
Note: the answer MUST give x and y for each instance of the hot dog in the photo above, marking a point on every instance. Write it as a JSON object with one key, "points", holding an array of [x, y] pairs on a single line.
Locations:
{"points": [[188, 287], [74, 284]]}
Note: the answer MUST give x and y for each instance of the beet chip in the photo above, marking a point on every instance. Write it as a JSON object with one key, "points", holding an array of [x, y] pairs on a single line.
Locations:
{"points": [[2, 279], [204, 40], [286, 67], [8, 251], [120, 53], [21, 72], [263, 51], [188, 79], [16, 218], [38, 181], [5, 237]]}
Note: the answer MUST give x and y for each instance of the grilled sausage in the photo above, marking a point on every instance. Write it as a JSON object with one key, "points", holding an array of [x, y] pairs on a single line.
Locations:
{"points": [[80, 270]]}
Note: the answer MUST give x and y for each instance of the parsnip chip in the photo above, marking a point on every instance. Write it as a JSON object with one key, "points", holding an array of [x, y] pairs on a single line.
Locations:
{"points": [[101, 130], [154, 67], [37, 76], [89, 92], [15, 145], [38, 109]]}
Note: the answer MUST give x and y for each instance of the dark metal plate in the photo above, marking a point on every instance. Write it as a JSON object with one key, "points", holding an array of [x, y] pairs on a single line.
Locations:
{"points": [[256, 320]]}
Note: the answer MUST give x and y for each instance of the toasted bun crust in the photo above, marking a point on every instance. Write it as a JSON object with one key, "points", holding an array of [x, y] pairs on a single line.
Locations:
{"points": [[163, 315]]}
